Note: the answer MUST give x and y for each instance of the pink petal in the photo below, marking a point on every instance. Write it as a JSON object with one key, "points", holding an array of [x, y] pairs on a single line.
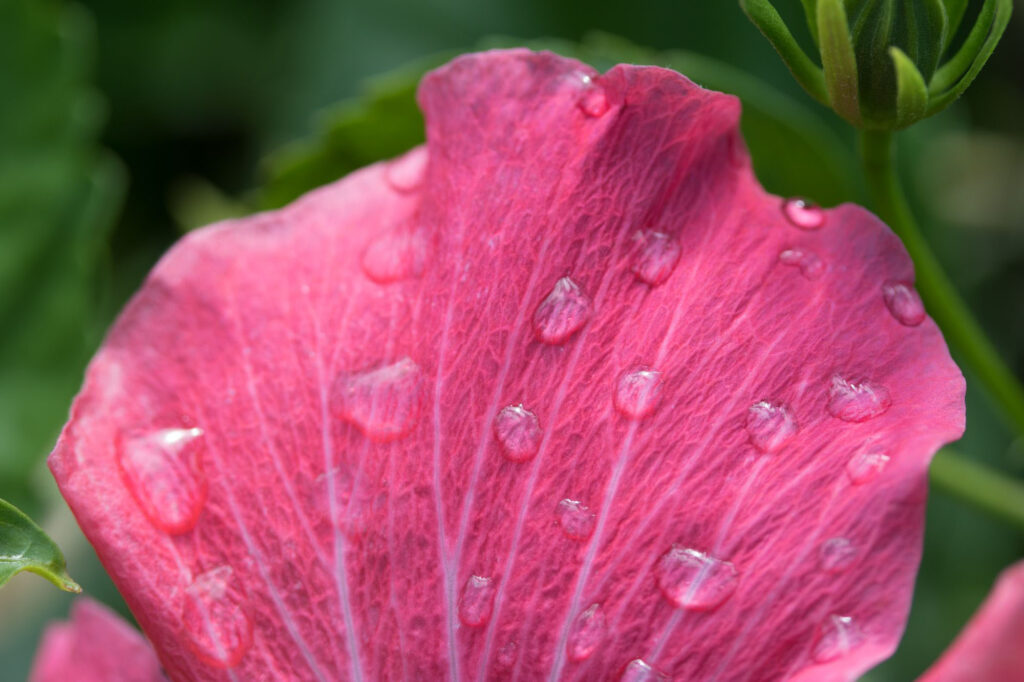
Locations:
{"points": [[364, 514], [991, 647], [95, 646]]}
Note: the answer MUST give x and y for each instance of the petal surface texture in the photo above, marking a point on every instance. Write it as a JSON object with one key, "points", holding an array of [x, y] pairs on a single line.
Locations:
{"points": [[562, 411], [95, 645], [991, 647]]}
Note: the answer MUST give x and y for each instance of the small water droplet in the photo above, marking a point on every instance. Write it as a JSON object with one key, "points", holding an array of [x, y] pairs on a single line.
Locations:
{"points": [[903, 302], [839, 635], [508, 654], [856, 402], [477, 601], [811, 266], [639, 670], [163, 471], [655, 255], [218, 628], [396, 255], [577, 521], [384, 402], [518, 432], [593, 101], [770, 426], [560, 315], [803, 213], [836, 555], [405, 174], [587, 633], [865, 466], [695, 581], [638, 392]]}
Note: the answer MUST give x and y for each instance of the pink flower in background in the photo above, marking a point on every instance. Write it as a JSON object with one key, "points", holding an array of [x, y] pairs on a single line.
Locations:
{"points": [[564, 395]]}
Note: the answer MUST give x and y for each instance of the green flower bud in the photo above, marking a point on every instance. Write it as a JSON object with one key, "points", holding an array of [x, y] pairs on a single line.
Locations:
{"points": [[885, 64]]}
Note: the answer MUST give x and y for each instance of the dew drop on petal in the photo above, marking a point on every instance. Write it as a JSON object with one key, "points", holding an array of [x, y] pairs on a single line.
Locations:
{"points": [[865, 466], [214, 617], [163, 472], [856, 402], [803, 214], [839, 635], [383, 403], [904, 303], [836, 555], [560, 315], [770, 426], [586, 634], [396, 255], [638, 392], [518, 432], [405, 174], [576, 520], [693, 580], [477, 601], [593, 100], [639, 670], [655, 255], [810, 264]]}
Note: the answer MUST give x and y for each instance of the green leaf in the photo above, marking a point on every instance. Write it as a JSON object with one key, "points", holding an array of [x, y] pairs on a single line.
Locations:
{"points": [[838, 60], [954, 77], [954, 15], [911, 92], [763, 15], [811, 12], [25, 547]]}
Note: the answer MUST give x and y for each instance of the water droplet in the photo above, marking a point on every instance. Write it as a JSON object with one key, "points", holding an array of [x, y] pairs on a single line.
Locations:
{"points": [[770, 426], [856, 402], [638, 392], [587, 633], [865, 466], [695, 581], [477, 601], [839, 635], [218, 628], [836, 555], [655, 256], [405, 174], [383, 403], [518, 432], [577, 521], [396, 255], [638, 670], [903, 302], [593, 101], [163, 472], [803, 213], [562, 313], [811, 266], [508, 654]]}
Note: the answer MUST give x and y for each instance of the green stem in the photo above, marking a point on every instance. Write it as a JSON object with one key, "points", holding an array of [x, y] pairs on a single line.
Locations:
{"points": [[979, 486]]}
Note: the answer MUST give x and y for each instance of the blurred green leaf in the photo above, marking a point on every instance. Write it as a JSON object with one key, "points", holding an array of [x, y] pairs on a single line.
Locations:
{"points": [[25, 547], [911, 92], [58, 196]]}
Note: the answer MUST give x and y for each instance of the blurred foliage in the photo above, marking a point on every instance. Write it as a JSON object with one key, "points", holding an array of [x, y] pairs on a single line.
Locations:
{"points": [[200, 91]]}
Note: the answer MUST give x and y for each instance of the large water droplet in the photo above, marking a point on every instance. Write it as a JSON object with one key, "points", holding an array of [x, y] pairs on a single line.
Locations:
{"points": [[639, 670], [904, 303], [836, 555], [163, 471], [405, 174], [865, 466], [695, 581], [577, 521], [593, 101], [384, 402], [638, 392], [655, 255], [477, 601], [803, 213], [587, 633], [518, 432], [562, 313], [811, 266], [856, 402], [770, 426], [396, 255], [839, 635], [215, 619]]}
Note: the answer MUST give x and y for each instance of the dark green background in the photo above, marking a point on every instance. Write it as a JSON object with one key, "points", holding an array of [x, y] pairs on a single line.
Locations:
{"points": [[122, 124]]}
